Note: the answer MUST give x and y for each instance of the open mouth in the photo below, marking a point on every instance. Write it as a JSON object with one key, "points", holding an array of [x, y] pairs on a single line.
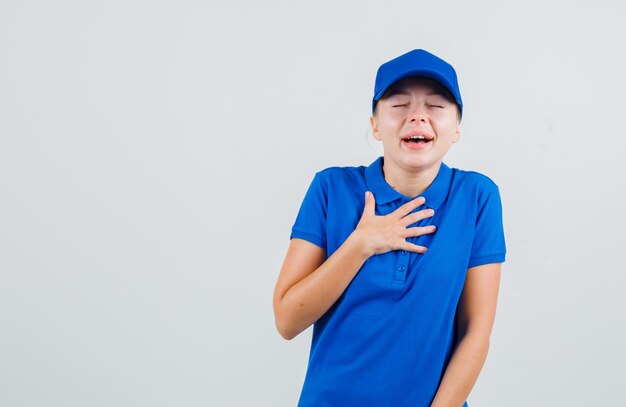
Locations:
{"points": [[417, 140]]}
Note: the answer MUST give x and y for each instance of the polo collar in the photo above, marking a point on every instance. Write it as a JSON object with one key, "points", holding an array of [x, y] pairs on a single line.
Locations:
{"points": [[435, 194]]}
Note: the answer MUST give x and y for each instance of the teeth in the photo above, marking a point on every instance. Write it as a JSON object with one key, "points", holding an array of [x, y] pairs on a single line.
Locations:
{"points": [[417, 138]]}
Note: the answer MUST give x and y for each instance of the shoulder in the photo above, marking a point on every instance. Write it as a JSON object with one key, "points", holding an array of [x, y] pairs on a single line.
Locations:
{"points": [[333, 177], [474, 181], [338, 172]]}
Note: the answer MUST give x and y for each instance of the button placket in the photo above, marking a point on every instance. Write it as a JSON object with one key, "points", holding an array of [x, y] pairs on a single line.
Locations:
{"points": [[402, 261], [401, 267]]}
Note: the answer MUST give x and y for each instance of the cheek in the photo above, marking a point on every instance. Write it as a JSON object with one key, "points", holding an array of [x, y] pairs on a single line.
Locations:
{"points": [[386, 123], [446, 123], [391, 120], [389, 130]]}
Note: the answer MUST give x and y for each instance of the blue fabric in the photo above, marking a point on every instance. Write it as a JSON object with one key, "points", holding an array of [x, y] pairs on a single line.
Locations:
{"points": [[418, 63], [389, 337]]}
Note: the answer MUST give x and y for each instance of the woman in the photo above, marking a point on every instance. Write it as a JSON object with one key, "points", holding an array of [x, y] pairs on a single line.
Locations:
{"points": [[397, 264]]}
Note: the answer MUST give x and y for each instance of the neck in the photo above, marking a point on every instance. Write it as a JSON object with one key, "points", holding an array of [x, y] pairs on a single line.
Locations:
{"points": [[409, 183]]}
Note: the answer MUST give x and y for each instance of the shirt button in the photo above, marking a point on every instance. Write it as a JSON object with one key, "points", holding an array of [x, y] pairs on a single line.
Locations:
{"points": [[403, 252], [402, 268]]}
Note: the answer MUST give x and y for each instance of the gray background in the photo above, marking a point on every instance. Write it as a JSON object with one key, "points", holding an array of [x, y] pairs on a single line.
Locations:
{"points": [[153, 156]]}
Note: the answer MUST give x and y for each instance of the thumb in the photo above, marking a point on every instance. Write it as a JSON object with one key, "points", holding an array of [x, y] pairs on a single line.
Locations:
{"points": [[370, 204]]}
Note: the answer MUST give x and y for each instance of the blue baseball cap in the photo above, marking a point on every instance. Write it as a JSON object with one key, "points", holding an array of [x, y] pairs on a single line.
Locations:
{"points": [[418, 63]]}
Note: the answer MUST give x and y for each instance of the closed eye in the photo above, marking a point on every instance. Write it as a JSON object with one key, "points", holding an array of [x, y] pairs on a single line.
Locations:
{"points": [[399, 105]]}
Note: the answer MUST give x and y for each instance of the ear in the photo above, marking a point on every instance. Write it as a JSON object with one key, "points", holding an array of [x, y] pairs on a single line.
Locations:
{"points": [[457, 133], [375, 131]]}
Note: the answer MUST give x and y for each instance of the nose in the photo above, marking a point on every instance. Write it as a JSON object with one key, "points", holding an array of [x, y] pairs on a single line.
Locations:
{"points": [[417, 115]]}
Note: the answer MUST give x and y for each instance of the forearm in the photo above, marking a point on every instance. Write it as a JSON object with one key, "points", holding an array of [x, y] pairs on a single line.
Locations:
{"points": [[305, 302], [462, 371]]}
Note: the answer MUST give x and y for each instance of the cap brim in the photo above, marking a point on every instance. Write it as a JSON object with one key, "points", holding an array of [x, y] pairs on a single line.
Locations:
{"points": [[421, 73]]}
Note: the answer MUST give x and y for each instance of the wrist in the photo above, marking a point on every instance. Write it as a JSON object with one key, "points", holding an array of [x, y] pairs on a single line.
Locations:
{"points": [[358, 244]]}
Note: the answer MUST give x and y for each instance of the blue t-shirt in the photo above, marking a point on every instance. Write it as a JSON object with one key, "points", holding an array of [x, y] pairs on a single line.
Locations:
{"points": [[388, 338]]}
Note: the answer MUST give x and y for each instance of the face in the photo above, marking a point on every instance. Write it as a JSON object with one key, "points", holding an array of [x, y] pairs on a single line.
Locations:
{"points": [[411, 109]]}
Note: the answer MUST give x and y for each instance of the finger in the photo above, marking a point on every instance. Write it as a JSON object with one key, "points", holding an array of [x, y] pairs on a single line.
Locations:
{"points": [[408, 207], [410, 247], [420, 230], [370, 204], [417, 216]]}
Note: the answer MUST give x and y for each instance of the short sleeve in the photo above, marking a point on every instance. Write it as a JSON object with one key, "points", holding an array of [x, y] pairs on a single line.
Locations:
{"points": [[310, 223], [488, 245]]}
